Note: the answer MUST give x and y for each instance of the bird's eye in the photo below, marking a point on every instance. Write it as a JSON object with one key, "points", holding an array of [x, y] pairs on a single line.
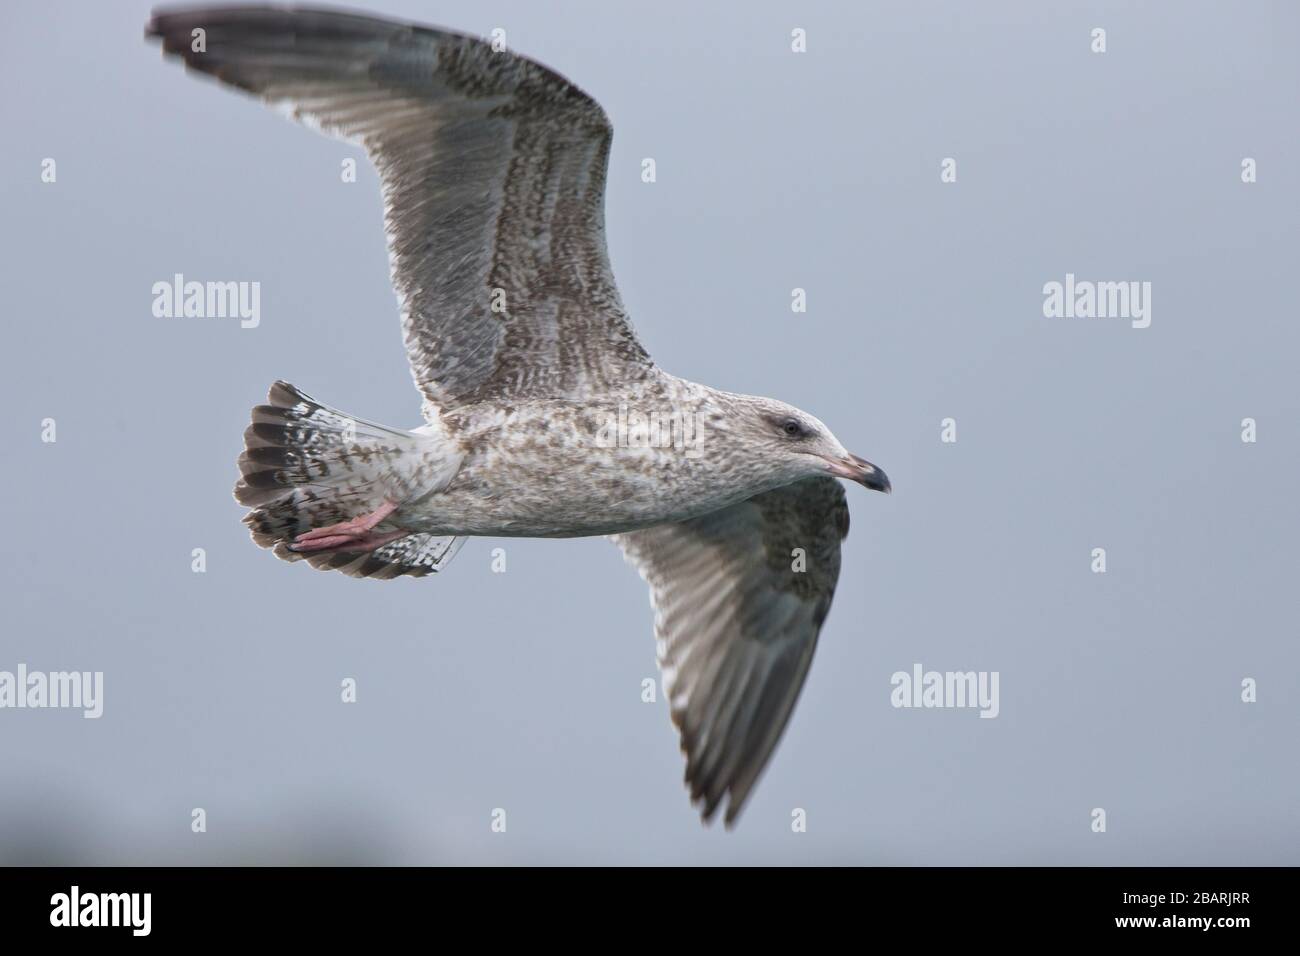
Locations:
{"points": [[792, 428]]}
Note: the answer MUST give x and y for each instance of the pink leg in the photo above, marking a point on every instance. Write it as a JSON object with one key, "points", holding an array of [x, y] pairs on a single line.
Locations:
{"points": [[352, 535], [340, 542]]}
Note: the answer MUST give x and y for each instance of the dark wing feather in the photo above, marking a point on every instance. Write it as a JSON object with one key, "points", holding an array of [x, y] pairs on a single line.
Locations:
{"points": [[493, 171], [737, 625]]}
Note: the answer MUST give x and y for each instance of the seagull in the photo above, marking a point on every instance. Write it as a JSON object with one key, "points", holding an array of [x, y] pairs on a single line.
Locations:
{"points": [[544, 416]]}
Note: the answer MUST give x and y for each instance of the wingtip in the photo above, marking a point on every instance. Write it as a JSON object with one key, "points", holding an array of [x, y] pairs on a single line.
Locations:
{"points": [[735, 805], [154, 27]]}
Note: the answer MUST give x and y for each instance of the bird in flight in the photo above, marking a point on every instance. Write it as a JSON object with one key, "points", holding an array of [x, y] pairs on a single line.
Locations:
{"points": [[544, 416]]}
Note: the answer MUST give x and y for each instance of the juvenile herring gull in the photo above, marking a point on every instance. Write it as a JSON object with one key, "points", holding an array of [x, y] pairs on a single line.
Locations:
{"points": [[544, 415]]}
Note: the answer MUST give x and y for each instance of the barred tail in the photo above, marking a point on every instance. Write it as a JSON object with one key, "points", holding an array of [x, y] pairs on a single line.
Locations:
{"points": [[306, 465]]}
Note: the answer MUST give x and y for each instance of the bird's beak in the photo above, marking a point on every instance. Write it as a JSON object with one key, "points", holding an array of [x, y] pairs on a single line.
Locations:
{"points": [[860, 470]]}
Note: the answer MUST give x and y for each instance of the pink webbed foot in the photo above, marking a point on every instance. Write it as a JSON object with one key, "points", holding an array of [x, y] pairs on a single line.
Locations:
{"points": [[356, 534]]}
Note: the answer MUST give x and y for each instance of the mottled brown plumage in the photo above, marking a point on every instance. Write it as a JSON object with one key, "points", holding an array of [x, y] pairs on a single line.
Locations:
{"points": [[544, 415]]}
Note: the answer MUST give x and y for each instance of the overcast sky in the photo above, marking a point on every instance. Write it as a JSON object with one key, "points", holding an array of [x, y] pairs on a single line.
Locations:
{"points": [[776, 170]]}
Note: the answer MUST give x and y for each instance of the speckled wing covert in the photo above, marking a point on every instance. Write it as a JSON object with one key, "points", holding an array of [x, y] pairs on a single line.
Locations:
{"points": [[493, 171], [737, 624]]}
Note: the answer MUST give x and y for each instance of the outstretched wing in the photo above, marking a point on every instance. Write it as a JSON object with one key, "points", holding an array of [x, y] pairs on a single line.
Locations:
{"points": [[737, 621], [493, 171]]}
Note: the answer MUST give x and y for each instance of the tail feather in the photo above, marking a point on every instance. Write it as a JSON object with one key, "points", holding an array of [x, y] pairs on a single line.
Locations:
{"points": [[415, 555], [306, 465], [295, 440]]}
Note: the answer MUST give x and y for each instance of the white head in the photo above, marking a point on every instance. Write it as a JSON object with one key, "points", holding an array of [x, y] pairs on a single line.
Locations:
{"points": [[797, 445]]}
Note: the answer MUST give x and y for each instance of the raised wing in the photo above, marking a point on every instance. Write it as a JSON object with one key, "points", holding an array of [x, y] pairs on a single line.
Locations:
{"points": [[737, 623], [493, 171]]}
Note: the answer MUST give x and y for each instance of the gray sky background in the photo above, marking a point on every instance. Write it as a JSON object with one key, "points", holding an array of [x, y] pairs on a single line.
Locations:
{"points": [[775, 170]]}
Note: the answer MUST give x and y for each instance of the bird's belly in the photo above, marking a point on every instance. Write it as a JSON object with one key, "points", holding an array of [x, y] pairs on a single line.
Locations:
{"points": [[567, 496]]}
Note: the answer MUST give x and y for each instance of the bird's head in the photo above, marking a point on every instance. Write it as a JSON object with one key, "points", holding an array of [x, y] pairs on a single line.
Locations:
{"points": [[801, 444]]}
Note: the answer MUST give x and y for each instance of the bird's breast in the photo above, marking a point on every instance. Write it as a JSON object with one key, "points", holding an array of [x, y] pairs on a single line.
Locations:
{"points": [[565, 469]]}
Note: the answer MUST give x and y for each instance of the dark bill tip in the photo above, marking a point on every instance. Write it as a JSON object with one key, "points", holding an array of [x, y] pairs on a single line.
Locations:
{"points": [[862, 471]]}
